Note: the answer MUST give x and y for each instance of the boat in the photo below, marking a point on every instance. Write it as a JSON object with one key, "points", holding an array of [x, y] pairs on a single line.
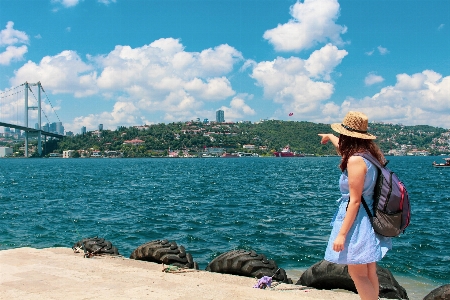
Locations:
{"points": [[229, 155], [286, 152], [247, 154], [446, 164]]}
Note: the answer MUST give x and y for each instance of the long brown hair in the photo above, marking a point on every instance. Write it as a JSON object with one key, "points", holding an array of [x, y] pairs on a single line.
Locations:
{"points": [[350, 145]]}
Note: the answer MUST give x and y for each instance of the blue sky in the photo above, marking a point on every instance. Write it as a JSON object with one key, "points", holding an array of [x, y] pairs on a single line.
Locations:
{"points": [[135, 62]]}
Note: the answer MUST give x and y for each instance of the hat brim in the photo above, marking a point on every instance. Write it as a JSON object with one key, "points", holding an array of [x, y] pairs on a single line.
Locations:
{"points": [[339, 129]]}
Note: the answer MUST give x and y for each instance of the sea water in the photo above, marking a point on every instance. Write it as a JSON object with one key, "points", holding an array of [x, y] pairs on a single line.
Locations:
{"points": [[280, 207]]}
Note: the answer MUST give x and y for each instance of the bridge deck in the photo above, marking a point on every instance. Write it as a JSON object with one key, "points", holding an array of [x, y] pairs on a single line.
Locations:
{"points": [[28, 129]]}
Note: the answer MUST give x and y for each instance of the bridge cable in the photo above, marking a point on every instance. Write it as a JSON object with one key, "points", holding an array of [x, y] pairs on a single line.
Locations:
{"points": [[50, 103], [9, 90], [12, 94], [17, 109]]}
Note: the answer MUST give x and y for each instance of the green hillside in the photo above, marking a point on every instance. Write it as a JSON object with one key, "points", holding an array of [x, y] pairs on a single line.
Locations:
{"points": [[267, 136]]}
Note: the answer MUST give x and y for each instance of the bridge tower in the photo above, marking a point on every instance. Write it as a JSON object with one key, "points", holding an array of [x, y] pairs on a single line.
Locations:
{"points": [[38, 108]]}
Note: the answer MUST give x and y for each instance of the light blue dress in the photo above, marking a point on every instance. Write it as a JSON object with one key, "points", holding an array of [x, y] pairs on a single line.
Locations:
{"points": [[362, 244]]}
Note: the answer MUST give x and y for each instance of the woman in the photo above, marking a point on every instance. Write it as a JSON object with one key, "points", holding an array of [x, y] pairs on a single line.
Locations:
{"points": [[353, 240]]}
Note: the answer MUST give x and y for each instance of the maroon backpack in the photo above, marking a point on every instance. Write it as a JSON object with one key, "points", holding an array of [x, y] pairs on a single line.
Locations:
{"points": [[391, 206]]}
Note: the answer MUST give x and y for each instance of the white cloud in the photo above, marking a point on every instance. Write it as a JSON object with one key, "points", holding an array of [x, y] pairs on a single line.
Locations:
{"points": [[322, 62], [313, 22], [9, 37], [441, 27], [372, 78], [12, 53], [299, 85], [63, 73], [106, 2], [238, 109], [416, 99], [248, 64], [67, 3], [213, 89], [123, 113], [159, 77], [382, 50], [163, 70]]}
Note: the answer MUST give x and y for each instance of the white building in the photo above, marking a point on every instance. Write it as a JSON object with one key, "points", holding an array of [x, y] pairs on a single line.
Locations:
{"points": [[68, 153], [5, 151]]}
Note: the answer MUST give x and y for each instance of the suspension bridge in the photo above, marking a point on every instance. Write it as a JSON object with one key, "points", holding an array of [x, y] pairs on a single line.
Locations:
{"points": [[15, 105]]}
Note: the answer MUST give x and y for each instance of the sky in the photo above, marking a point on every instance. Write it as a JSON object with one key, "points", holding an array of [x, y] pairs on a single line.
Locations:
{"points": [[137, 62]]}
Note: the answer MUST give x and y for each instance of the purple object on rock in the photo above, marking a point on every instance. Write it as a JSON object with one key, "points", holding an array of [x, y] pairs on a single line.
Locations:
{"points": [[263, 282]]}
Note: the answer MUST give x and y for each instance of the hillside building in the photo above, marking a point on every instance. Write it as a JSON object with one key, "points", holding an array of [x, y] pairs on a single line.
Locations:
{"points": [[220, 116]]}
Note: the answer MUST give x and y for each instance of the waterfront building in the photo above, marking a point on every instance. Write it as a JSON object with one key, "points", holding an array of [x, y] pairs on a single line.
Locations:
{"points": [[68, 153], [220, 116], [96, 153], [5, 151], [214, 151]]}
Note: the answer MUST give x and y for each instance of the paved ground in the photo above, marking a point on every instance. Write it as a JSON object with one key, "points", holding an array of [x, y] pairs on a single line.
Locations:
{"points": [[59, 273]]}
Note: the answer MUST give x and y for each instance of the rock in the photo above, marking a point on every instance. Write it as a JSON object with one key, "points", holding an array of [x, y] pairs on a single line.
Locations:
{"points": [[440, 293]]}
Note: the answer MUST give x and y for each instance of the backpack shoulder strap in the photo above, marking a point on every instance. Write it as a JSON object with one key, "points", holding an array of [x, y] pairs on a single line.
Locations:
{"points": [[371, 158], [366, 207]]}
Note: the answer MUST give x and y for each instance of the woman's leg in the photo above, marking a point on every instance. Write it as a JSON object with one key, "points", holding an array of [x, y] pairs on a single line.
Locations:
{"points": [[363, 282], [373, 277]]}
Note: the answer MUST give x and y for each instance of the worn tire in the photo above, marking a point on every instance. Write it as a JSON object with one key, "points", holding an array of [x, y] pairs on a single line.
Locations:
{"points": [[440, 293], [328, 276], [97, 245], [389, 287], [247, 263], [164, 252]]}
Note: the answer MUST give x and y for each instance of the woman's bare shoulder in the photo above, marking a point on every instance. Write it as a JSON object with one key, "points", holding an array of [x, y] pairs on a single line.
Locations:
{"points": [[356, 161]]}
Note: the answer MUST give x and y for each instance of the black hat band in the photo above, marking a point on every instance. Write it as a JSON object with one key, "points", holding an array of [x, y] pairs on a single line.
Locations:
{"points": [[353, 130]]}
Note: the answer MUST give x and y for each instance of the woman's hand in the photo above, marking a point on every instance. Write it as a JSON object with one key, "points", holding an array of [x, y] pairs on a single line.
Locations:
{"points": [[338, 244], [325, 138], [328, 137]]}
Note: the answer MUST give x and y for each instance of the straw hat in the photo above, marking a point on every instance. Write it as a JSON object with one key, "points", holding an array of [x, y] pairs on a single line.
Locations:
{"points": [[355, 124]]}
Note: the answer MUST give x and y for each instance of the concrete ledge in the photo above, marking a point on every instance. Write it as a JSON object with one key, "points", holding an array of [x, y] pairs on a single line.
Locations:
{"points": [[59, 273]]}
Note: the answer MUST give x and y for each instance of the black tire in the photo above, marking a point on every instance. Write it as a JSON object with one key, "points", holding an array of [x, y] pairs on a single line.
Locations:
{"points": [[247, 263], [97, 245], [389, 287], [328, 276], [440, 293], [164, 252]]}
